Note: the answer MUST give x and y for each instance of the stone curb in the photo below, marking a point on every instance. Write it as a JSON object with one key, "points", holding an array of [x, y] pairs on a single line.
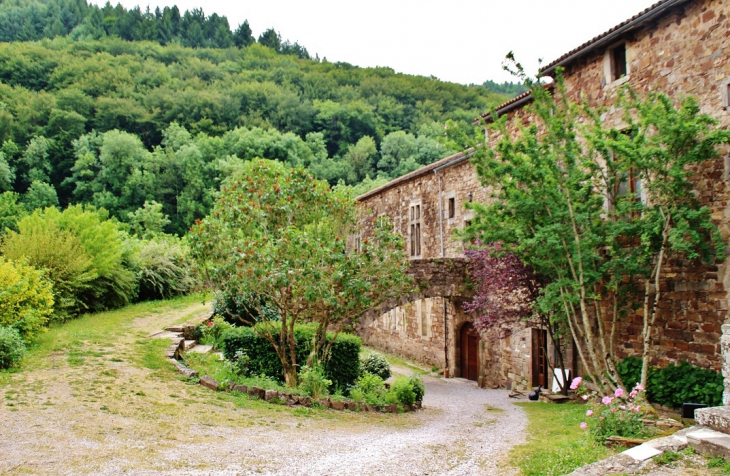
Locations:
{"points": [[179, 343]]}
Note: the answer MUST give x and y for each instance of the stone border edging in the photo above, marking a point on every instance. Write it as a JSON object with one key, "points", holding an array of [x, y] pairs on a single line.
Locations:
{"points": [[173, 352]]}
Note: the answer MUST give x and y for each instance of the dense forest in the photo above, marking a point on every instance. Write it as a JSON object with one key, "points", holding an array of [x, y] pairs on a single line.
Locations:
{"points": [[118, 108]]}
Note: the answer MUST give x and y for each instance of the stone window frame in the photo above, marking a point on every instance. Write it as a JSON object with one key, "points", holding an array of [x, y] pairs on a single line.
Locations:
{"points": [[448, 197], [609, 80], [415, 209], [631, 182], [725, 92], [423, 316]]}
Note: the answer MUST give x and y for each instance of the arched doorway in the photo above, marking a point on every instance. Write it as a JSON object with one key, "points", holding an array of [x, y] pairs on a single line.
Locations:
{"points": [[469, 352]]}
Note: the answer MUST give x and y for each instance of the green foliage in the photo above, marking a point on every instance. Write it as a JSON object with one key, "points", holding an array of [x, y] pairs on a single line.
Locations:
{"points": [[509, 88], [40, 195], [341, 366], [372, 388], [676, 384], [279, 234], [312, 382], [558, 205], [243, 309], [52, 94], [148, 221], [163, 267], [376, 364], [402, 387], [82, 253], [212, 332], [26, 298], [12, 347], [419, 389], [10, 211]]}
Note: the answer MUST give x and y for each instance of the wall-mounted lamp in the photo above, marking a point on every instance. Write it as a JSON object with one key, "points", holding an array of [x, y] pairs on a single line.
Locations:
{"points": [[471, 197]]}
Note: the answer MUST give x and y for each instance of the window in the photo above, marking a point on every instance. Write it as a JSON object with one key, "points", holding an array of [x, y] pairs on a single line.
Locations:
{"points": [[415, 229], [424, 321], [619, 68], [452, 207]]}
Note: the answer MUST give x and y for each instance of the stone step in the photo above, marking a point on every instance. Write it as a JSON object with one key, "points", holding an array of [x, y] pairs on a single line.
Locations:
{"points": [[202, 349], [175, 328], [717, 418], [710, 442], [189, 344], [166, 335]]}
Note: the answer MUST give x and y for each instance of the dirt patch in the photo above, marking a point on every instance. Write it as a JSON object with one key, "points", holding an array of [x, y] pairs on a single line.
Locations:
{"points": [[112, 405]]}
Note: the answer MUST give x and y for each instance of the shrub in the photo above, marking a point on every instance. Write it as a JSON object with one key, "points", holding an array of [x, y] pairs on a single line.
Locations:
{"points": [[341, 366], [402, 388], [12, 347], [82, 253], [162, 266], [313, 383], [242, 309], [26, 298], [675, 384], [372, 388], [418, 387], [212, 332], [376, 364], [619, 415], [59, 254]]}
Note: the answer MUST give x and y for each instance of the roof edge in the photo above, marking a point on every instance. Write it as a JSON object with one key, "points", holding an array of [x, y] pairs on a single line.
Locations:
{"points": [[613, 34], [439, 164]]}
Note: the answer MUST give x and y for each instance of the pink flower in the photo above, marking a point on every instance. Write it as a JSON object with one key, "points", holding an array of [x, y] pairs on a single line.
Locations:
{"points": [[619, 392], [637, 408], [622, 407], [576, 381], [607, 400], [639, 387], [614, 409], [584, 425], [584, 397], [633, 394], [589, 413]]}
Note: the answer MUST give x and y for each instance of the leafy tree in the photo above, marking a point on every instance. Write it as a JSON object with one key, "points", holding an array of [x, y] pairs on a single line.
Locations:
{"points": [[271, 39], [551, 180], [242, 36], [148, 221], [279, 234], [40, 195]]}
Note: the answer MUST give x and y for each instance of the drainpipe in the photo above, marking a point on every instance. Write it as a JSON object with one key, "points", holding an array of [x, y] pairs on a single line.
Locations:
{"points": [[443, 255]]}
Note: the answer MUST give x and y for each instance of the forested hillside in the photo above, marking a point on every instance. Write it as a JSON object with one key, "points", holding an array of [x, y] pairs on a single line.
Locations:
{"points": [[96, 118]]}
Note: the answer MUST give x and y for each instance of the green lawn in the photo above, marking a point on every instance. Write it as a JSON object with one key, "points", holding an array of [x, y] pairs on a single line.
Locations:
{"points": [[555, 444]]}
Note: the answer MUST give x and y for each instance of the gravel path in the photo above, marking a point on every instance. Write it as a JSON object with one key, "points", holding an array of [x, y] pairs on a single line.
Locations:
{"points": [[112, 416]]}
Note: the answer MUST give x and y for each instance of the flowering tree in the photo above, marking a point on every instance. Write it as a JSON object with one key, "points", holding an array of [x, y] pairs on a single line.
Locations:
{"points": [[506, 290], [279, 234]]}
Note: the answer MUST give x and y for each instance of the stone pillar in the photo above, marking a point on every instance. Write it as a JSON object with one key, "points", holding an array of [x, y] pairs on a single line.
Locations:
{"points": [[725, 349]]}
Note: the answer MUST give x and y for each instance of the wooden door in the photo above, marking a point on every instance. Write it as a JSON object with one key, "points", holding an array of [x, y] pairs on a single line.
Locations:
{"points": [[540, 371], [469, 352]]}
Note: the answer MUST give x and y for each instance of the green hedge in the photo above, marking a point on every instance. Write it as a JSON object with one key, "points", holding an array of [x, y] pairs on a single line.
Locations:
{"points": [[342, 365], [675, 384]]}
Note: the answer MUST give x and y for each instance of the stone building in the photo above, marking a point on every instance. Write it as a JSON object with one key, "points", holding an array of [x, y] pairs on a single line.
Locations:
{"points": [[679, 47]]}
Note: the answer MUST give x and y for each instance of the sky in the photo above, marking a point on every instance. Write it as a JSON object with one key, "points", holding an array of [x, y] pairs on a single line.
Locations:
{"points": [[459, 41]]}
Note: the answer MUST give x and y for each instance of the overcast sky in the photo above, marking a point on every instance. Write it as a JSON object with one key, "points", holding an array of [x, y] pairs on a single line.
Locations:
{"points": [[459, 41]]}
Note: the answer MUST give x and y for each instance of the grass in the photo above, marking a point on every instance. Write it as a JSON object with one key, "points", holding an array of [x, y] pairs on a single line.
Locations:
{"points": [[555, 444]]}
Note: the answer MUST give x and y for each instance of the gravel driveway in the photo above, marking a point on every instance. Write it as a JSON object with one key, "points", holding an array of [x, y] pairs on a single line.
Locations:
{"points": [[112, 416]]}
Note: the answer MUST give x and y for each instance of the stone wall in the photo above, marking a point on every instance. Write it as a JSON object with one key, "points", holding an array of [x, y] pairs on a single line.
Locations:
{"points": [[457, 183], [684, 52]]}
